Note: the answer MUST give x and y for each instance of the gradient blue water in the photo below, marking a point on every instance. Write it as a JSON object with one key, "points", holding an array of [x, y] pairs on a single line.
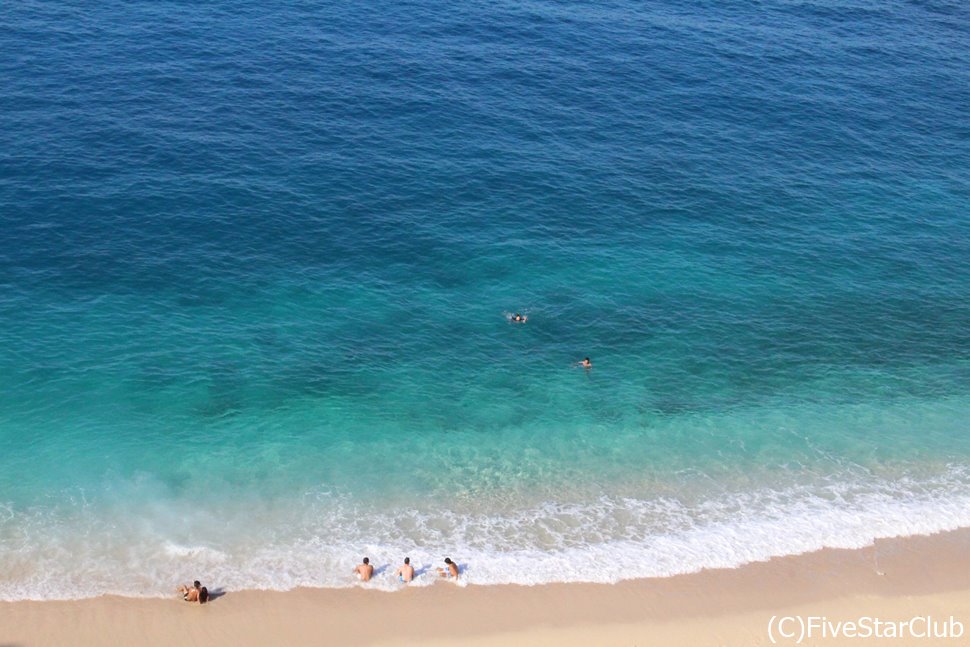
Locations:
{"points": [[256, 262]]}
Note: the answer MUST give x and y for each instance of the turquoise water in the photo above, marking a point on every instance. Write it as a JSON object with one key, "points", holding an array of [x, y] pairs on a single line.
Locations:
{"points": [[256, 267]]}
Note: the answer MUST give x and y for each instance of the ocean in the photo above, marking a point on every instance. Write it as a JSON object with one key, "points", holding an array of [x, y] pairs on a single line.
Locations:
{"points": [[257, 263]]}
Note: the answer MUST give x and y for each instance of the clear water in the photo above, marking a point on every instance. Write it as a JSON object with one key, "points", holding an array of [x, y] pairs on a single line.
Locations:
{"points": [[256, 263]]}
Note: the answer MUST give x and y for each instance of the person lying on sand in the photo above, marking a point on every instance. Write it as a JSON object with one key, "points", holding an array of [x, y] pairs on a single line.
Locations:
{"points": [[364, 571], [452, 571], [194, 593], [406, 572]]}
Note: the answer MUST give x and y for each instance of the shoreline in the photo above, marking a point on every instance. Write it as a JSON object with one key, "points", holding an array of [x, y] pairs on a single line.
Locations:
{"points": [[894, 578]]}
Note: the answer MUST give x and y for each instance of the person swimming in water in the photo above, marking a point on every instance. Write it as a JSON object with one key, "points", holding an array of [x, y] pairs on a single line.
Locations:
{"points": [[518, 318], [585, 363]]}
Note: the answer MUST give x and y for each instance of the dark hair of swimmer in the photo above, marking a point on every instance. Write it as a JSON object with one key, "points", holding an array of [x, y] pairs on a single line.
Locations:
{"points": [[203, 595], [407, 560], [366, 561]]}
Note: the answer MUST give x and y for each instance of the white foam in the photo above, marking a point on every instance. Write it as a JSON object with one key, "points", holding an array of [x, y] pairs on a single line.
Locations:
{"points": [[316, 541], [177, 550]]}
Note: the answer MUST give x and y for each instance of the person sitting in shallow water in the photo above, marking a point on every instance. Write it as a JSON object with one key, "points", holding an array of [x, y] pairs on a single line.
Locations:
{"points": [[364, 570], [517, 318], [406, 572], [194, 593], [452, 571]]}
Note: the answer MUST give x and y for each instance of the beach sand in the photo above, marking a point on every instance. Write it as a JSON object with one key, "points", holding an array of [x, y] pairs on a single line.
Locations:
{"points": [[894, 580]]}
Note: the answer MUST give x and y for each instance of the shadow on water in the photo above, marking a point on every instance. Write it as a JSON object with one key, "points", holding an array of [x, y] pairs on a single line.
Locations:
{"points": [[381, 569], [214, 594], [418, 572]]}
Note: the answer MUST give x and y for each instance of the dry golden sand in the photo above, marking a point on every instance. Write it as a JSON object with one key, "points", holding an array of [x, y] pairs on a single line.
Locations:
{"points": [[894, 580]]}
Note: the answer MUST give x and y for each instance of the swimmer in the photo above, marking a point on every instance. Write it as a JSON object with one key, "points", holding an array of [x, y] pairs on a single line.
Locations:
{"points": [[406, 572], [585, 363], [194, 593], [517, 318], [452, 571], [364, 571]]}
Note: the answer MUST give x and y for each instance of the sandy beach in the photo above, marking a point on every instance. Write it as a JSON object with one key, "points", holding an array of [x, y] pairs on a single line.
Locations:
{"points": [[892, 581]]}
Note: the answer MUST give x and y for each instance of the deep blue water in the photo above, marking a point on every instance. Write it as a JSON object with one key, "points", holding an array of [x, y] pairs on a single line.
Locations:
{"points": [[256, 263]]}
